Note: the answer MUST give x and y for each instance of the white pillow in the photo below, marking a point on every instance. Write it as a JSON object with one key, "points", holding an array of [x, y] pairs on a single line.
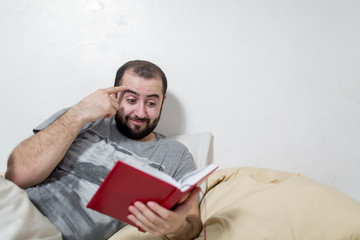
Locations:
{"points": [[19, 218], [199, 146]]}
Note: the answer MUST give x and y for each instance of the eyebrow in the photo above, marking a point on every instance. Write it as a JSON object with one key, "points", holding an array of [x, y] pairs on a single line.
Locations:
{"points": [[148, 96]]}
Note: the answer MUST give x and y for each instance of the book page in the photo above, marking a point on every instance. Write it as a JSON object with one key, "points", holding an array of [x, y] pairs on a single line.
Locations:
{"points": [[194, 177]]}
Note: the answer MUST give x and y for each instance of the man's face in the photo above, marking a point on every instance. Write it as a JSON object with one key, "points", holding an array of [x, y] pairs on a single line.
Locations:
{"points": [[140, 105]]}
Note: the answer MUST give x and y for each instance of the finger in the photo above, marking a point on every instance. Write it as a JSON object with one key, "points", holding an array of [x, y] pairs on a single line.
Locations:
{"points": [[144, 216], [116, 95], [183, 206], [137, 223], [116, 89], [186, 206], [193, 195], [115, 101], [136, 216], [115, 107], [159, 210]]}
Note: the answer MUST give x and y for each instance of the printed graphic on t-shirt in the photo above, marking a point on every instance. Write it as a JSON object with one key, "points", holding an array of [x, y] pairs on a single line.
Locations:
{"points": [[91, 157]]}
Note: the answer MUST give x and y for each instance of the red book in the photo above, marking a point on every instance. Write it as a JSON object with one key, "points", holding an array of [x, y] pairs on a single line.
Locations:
{"points": [[126, 184]]}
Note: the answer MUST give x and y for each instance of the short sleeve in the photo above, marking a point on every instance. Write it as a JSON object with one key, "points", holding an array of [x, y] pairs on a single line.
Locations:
{"points": [[53, 118], [50, 120], [186, 165]]}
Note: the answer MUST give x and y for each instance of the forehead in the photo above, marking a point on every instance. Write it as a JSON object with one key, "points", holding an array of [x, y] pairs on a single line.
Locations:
{"points": [[141, 85]]}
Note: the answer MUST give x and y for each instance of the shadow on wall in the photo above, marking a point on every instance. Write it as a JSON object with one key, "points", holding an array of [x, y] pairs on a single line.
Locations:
{"points": [[172, 120]]}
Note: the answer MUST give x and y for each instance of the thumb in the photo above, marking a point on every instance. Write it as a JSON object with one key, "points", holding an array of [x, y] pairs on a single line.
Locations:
{"points": [[191, 197], [185, 206]]}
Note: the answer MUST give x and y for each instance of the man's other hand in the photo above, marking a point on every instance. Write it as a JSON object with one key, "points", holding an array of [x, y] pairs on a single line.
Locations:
{"points": [[157, 220]]}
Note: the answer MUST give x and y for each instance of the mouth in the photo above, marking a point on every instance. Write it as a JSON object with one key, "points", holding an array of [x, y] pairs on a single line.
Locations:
{"points": [[137, 121]]}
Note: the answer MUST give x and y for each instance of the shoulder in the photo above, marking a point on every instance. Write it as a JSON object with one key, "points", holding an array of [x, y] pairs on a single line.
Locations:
{"points": [[59, 114], [170, 141], [105, 127], [174, 148], [50, 120]]}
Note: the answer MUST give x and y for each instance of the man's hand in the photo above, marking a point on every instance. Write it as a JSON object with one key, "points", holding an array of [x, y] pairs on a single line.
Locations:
{"points": [[102, 103], [34, 159], [153, 218]]}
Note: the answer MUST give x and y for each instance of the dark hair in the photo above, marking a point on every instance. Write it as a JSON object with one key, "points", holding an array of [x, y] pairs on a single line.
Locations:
{"points": [[143, 69]]}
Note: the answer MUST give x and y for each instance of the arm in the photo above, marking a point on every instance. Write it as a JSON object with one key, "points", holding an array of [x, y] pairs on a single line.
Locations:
{"points": [[34, 159], [182, 223]]}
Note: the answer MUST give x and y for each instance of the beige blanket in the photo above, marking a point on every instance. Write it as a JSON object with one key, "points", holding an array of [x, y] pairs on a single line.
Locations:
{"points": [[254, 203]]}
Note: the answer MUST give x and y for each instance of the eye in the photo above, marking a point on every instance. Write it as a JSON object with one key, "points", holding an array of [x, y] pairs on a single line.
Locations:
{"points": [[131, 100], [151, 104]]}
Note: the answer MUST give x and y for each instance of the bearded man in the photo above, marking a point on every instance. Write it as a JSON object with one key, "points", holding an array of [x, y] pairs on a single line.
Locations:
{"points": [[62, 165]]}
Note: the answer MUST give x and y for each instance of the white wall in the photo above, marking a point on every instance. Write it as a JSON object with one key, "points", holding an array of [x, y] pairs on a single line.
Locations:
{"points": [[276, 82]]}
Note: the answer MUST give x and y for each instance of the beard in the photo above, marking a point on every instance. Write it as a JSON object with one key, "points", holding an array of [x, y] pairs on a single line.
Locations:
{"points": [[135, 132]]}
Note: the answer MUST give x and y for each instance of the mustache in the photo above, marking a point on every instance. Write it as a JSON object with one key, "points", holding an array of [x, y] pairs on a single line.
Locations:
{"points": [[138, 119]]}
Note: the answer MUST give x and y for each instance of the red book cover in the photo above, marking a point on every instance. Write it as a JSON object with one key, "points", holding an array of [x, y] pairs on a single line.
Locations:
{"points": [[126, 184]]}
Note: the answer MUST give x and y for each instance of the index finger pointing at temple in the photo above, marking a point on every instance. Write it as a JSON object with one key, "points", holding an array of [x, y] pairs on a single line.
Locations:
{"points": [[116, 89]]}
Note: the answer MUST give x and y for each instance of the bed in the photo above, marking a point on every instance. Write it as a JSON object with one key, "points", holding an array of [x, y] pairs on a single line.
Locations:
{"points": [[238, 203], [258, 203]]}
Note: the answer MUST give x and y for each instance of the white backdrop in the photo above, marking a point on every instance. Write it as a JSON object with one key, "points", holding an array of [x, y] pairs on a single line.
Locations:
{"points": [[276, 82]]}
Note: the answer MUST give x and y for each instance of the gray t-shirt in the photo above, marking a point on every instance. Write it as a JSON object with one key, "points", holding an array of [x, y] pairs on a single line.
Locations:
{"points": [[63, 196]]}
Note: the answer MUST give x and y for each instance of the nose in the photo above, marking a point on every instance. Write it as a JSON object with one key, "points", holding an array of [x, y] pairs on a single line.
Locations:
{"points": [[140, 110]]}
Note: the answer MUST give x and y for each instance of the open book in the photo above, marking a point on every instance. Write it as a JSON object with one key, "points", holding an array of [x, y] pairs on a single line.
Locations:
{"points": [[126, 184]]}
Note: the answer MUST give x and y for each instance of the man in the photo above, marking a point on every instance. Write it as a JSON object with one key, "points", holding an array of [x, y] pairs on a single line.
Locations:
{"points": [[62, 165]]}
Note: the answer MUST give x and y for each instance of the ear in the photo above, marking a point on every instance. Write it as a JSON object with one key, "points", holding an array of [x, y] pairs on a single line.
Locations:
{"points": [[162, 104], [163, 101]]}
